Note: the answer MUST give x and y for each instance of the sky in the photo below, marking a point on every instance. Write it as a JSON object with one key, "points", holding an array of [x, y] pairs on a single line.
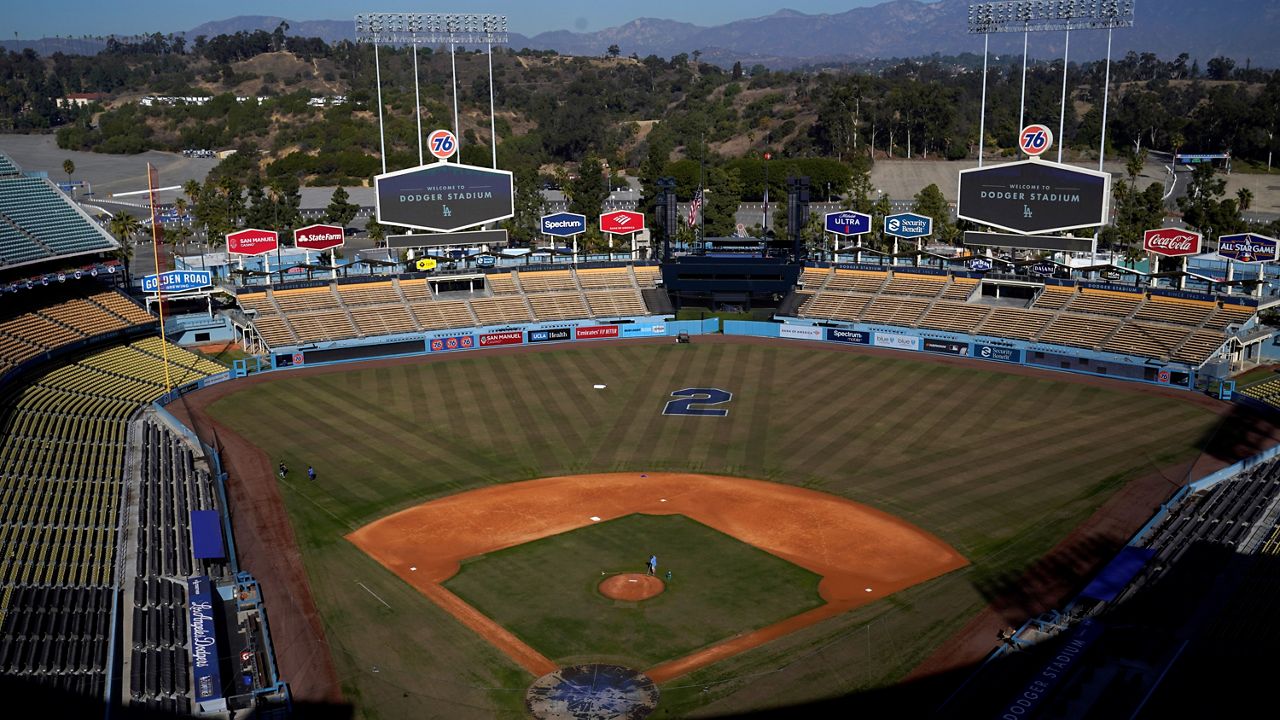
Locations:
{"points": [[30, 20]]}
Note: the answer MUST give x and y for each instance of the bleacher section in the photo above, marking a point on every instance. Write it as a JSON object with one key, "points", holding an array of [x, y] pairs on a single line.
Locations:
{"points": [[38, 328], [62, 444], [339, 312], [37, 222], [1140, 324]]}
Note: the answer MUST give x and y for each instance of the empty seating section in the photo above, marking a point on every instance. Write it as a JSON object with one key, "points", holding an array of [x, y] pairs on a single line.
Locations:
{"points": [[1199, 345], [500, 283], [547, 281], [1078, 330], [960, 317], [837, 306], [960, 289], [1268, 391], [1229, 315], [37, 328], [813, 278], [502, 310], [857, 280], [1014, 323], [615, 303], [894, 311], [339, 312], [910, 284], [558, 306], [647, 276], [1054, 297], [1104, 302], [62, 445], [591, 279], [1175, 310], [442, 314], [38, 222], [1148, 340], [383, 293], [7, 167]]}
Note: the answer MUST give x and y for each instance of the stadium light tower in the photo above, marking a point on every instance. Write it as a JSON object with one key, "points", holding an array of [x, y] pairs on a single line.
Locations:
{"points": [[416, 29], [1028, 16]]}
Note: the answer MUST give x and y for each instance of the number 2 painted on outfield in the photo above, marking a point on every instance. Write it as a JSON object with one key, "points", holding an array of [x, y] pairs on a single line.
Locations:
{"points": [[689, 401]]}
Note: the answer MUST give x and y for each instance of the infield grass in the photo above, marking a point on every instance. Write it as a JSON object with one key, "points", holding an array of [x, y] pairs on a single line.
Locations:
{"points": [[719, 587], [1001, 466]]}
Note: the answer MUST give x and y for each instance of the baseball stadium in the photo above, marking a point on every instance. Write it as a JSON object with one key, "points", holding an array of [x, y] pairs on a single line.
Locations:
{"points": [[740, 477]]}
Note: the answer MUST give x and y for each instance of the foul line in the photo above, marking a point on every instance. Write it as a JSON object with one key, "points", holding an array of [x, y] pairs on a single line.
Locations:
{"points": [[366, 589]]}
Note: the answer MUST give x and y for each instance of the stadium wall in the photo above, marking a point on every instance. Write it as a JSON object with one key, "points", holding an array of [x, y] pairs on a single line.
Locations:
{"points": [[1038, 355]]}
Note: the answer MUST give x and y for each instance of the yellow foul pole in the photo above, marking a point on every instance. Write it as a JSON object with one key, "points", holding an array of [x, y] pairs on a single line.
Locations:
{"points": [[152, 183]]}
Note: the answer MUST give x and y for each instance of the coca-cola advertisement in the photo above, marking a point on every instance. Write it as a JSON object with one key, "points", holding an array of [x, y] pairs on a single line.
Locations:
{"points": [[1171, 242]]}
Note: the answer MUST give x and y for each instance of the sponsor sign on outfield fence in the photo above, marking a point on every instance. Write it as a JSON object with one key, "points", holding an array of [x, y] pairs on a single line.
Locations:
{"points": [[551, 335], [596, 332], [995, 352], [452, 342], [858, 337], [800, 332], [897, 342], [947, 347], [509, 337]]}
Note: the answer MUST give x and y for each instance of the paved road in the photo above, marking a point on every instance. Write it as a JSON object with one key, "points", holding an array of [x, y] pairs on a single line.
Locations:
{"points": [[107, 173]]}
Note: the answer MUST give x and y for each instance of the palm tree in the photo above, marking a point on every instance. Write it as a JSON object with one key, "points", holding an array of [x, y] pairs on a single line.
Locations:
{"points": [[124, 227], [68, 167], [1245, 198]]}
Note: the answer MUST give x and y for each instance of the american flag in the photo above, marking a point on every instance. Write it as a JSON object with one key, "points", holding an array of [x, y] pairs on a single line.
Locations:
{"points": [[694, 207]]}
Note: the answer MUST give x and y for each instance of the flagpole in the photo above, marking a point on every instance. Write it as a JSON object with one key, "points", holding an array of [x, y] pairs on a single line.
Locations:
{"points": [[702, 162], [155, 254]]}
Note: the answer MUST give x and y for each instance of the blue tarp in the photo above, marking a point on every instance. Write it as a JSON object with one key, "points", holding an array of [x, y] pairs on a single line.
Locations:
{"points": [[206, 535], [1117, 574]]}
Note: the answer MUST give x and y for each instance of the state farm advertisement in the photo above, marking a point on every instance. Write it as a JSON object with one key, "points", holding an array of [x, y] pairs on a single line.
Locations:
{"points": [[592, 333], [253, 242], [511, 337], [318, 237], [1171, 242]]}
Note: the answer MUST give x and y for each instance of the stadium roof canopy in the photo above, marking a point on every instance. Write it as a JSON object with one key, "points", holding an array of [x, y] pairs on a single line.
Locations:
{"points": [[38, 223]]}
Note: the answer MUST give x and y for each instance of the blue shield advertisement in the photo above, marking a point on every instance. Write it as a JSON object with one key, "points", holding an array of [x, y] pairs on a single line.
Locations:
{"points": [[564, 224], [175, 281], [908, 225], [848, 222]]}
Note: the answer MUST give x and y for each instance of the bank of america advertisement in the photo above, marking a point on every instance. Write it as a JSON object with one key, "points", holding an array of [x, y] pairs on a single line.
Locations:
{"points": [[444, 197]]}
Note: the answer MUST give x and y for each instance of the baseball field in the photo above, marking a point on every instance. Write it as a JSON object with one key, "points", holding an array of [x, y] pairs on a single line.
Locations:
{"points": [[958, 475]]}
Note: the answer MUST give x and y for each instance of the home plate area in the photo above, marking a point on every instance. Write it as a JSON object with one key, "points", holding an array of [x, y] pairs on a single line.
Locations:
{"points": [[592, 692]]}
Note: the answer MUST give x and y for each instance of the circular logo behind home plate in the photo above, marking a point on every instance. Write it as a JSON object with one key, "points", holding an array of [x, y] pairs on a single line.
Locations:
{"points": [[592, 692]]}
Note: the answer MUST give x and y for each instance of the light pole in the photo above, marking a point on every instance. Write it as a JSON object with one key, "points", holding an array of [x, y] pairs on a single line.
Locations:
{"points": [[765, 227]]}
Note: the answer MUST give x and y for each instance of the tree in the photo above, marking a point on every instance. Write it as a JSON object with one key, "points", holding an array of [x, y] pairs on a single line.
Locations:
{"points": [[737, 70], [588, 191], [124, 227], [1219, 68], [524, 224], [720, 202], [68, 167], [340, 210], [1203, 207], [931, 203], [375, 230], [1244, 199], [613, 51]]}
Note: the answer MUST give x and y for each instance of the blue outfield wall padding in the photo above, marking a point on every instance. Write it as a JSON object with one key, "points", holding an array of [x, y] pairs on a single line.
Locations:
{"points": [[206, 535], [1117, 574]]}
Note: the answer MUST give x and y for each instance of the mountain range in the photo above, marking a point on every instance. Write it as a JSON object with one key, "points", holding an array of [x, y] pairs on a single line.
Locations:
{"points": [[1241, 29]]}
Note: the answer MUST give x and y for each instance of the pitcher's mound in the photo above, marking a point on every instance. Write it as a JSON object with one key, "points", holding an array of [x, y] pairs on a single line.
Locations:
{"points": [[631, 587]]}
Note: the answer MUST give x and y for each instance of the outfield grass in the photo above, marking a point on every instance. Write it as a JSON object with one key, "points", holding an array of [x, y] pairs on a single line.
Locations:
{"points": [[719, 587], [1001, 466]]}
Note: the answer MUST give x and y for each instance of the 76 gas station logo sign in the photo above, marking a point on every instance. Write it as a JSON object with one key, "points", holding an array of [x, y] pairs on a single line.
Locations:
{"points": [[1035, 139]]}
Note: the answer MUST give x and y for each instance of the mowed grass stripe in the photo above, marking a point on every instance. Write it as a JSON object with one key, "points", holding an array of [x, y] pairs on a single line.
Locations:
{"points": [[748, 457], [636, 424]]}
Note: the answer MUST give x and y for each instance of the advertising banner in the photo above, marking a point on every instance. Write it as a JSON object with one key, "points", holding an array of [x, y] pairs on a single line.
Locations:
{"points": [[564, 224], [444, 197], [1171, 242], [175, 281], [553, 334], [995, 352], [857, 337], [1028, 242], [453, 342], [800, 332], [621, 222], [1247, 248], [510, 337], [1033, 196], [252, 241], [204, 642], [592, 333], [847, 222], [908, 225], [898, 342], [319, 237], [947, 347]]}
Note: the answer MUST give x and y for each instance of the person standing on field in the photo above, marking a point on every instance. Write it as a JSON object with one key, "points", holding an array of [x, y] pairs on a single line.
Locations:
{"points": [[653, 565]]}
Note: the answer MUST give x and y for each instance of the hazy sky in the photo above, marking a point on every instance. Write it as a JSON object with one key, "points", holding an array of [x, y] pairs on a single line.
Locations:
{"points": [[95, 17]]}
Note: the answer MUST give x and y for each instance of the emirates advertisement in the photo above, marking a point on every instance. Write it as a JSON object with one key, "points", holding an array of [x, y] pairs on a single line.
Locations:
{"points": [[1171, 242]]}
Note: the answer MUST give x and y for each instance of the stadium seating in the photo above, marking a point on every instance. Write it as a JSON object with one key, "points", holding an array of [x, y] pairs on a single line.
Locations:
{"points": [[1175, 311], [647, 276], [814, 278], [1199, 345], [836, 306], [1014, 323], [960, 289], [903, 283], [37, 222], [336, 312], [1078, 330], [62, 440], [1229, 315], [1147, 340], [1054, 297], [37, 328], [895, 311], [857, 280], [959, 317], [1105, 302]]}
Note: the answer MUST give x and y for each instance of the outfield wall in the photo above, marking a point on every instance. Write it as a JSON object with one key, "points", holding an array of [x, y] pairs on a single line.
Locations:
{"points": [[1030, 354]]}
